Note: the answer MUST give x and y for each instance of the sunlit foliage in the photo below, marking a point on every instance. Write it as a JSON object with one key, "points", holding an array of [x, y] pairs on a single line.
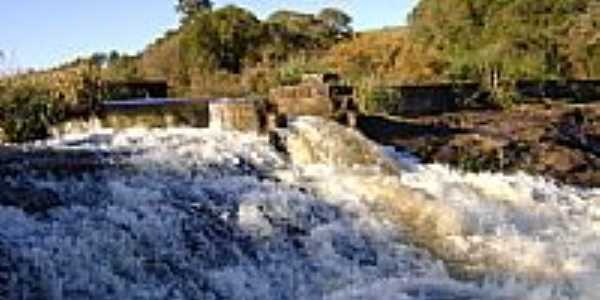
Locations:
{"points": [[512, 38]]}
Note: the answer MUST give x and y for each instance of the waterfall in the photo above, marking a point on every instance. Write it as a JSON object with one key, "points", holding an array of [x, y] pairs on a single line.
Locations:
{"points": [[480, 225], [188, 213]]}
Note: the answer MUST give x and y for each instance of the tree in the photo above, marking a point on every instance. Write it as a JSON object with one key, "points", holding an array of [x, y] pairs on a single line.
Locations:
{"points": [[221, 39], [287, 17], [99, 59], [386, 56], [113, 57], [119, 66], [583, 44], [337, 20], [308, 31], [190, 7], [512, 38]]}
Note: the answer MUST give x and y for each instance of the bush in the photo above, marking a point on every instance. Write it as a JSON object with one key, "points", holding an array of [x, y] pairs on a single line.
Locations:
{"points": [[28, 111], [31, 103]]}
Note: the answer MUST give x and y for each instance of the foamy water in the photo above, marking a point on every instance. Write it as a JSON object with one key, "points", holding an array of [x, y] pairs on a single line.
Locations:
{"points": [[198, 214], [491, 226]]}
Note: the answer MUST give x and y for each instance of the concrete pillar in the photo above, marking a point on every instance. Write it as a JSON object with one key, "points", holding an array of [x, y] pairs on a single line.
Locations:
{"points": [[234, 114]]}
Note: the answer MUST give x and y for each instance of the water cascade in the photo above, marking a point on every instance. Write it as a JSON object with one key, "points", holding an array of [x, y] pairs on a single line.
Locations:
{"points": [[481, 225], [187, 213]]}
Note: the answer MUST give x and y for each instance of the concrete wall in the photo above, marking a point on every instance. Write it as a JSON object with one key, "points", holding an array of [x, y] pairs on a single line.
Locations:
{"points": [[135, 89], [234, 114], [439, 98], [301, 100], [315, 96], [578, 90], [431, 99], [155, 113]]}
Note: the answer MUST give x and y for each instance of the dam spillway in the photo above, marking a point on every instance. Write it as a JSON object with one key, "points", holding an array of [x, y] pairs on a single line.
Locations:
{"points": [[219, 114], [161, 112]]}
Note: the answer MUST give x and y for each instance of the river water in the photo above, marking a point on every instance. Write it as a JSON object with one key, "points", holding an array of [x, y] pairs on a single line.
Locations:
{"points": [[182, 213]]}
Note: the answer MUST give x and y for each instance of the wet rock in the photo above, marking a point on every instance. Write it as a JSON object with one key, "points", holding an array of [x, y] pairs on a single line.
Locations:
{"points": [[2, 136], [557, 158], [473, 152], [561, 142]]}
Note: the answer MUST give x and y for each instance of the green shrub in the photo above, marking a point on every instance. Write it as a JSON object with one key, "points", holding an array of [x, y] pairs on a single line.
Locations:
{"points": [[33, 102], [27, 111]]}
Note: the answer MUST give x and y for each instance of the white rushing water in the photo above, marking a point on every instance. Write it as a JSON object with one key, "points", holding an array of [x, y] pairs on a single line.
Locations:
{"points": [[199, 214]]}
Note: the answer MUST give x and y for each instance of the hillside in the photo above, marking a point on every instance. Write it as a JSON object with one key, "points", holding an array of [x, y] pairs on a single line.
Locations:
{"points": [[512, 39]]}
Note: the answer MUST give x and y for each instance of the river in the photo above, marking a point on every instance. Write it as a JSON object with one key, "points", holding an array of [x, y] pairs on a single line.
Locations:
{"points": [[184, 213]]}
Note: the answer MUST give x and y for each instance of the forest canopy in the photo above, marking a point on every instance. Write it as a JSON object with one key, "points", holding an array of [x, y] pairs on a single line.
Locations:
{"points": [[517, 38]]}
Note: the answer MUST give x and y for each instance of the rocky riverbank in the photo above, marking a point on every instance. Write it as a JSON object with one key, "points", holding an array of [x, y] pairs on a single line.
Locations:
{"points": [[556, 141]]}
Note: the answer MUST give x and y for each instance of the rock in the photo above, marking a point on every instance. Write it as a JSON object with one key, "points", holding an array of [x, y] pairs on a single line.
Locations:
{"points": [[559, 159], [473, 152], [561, 142], [234, 114]]}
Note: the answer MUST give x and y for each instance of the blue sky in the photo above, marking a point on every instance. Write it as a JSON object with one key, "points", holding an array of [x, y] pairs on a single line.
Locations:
{"points": [[43, 33]]}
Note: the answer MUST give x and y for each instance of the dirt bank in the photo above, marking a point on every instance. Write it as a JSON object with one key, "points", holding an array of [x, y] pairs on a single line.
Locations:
{"points": [[557, 141]]}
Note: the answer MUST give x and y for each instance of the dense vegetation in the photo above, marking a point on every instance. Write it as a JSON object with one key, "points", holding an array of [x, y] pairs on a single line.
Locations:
{"points": [[31, 103], [512, 38], [228, 51]]}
